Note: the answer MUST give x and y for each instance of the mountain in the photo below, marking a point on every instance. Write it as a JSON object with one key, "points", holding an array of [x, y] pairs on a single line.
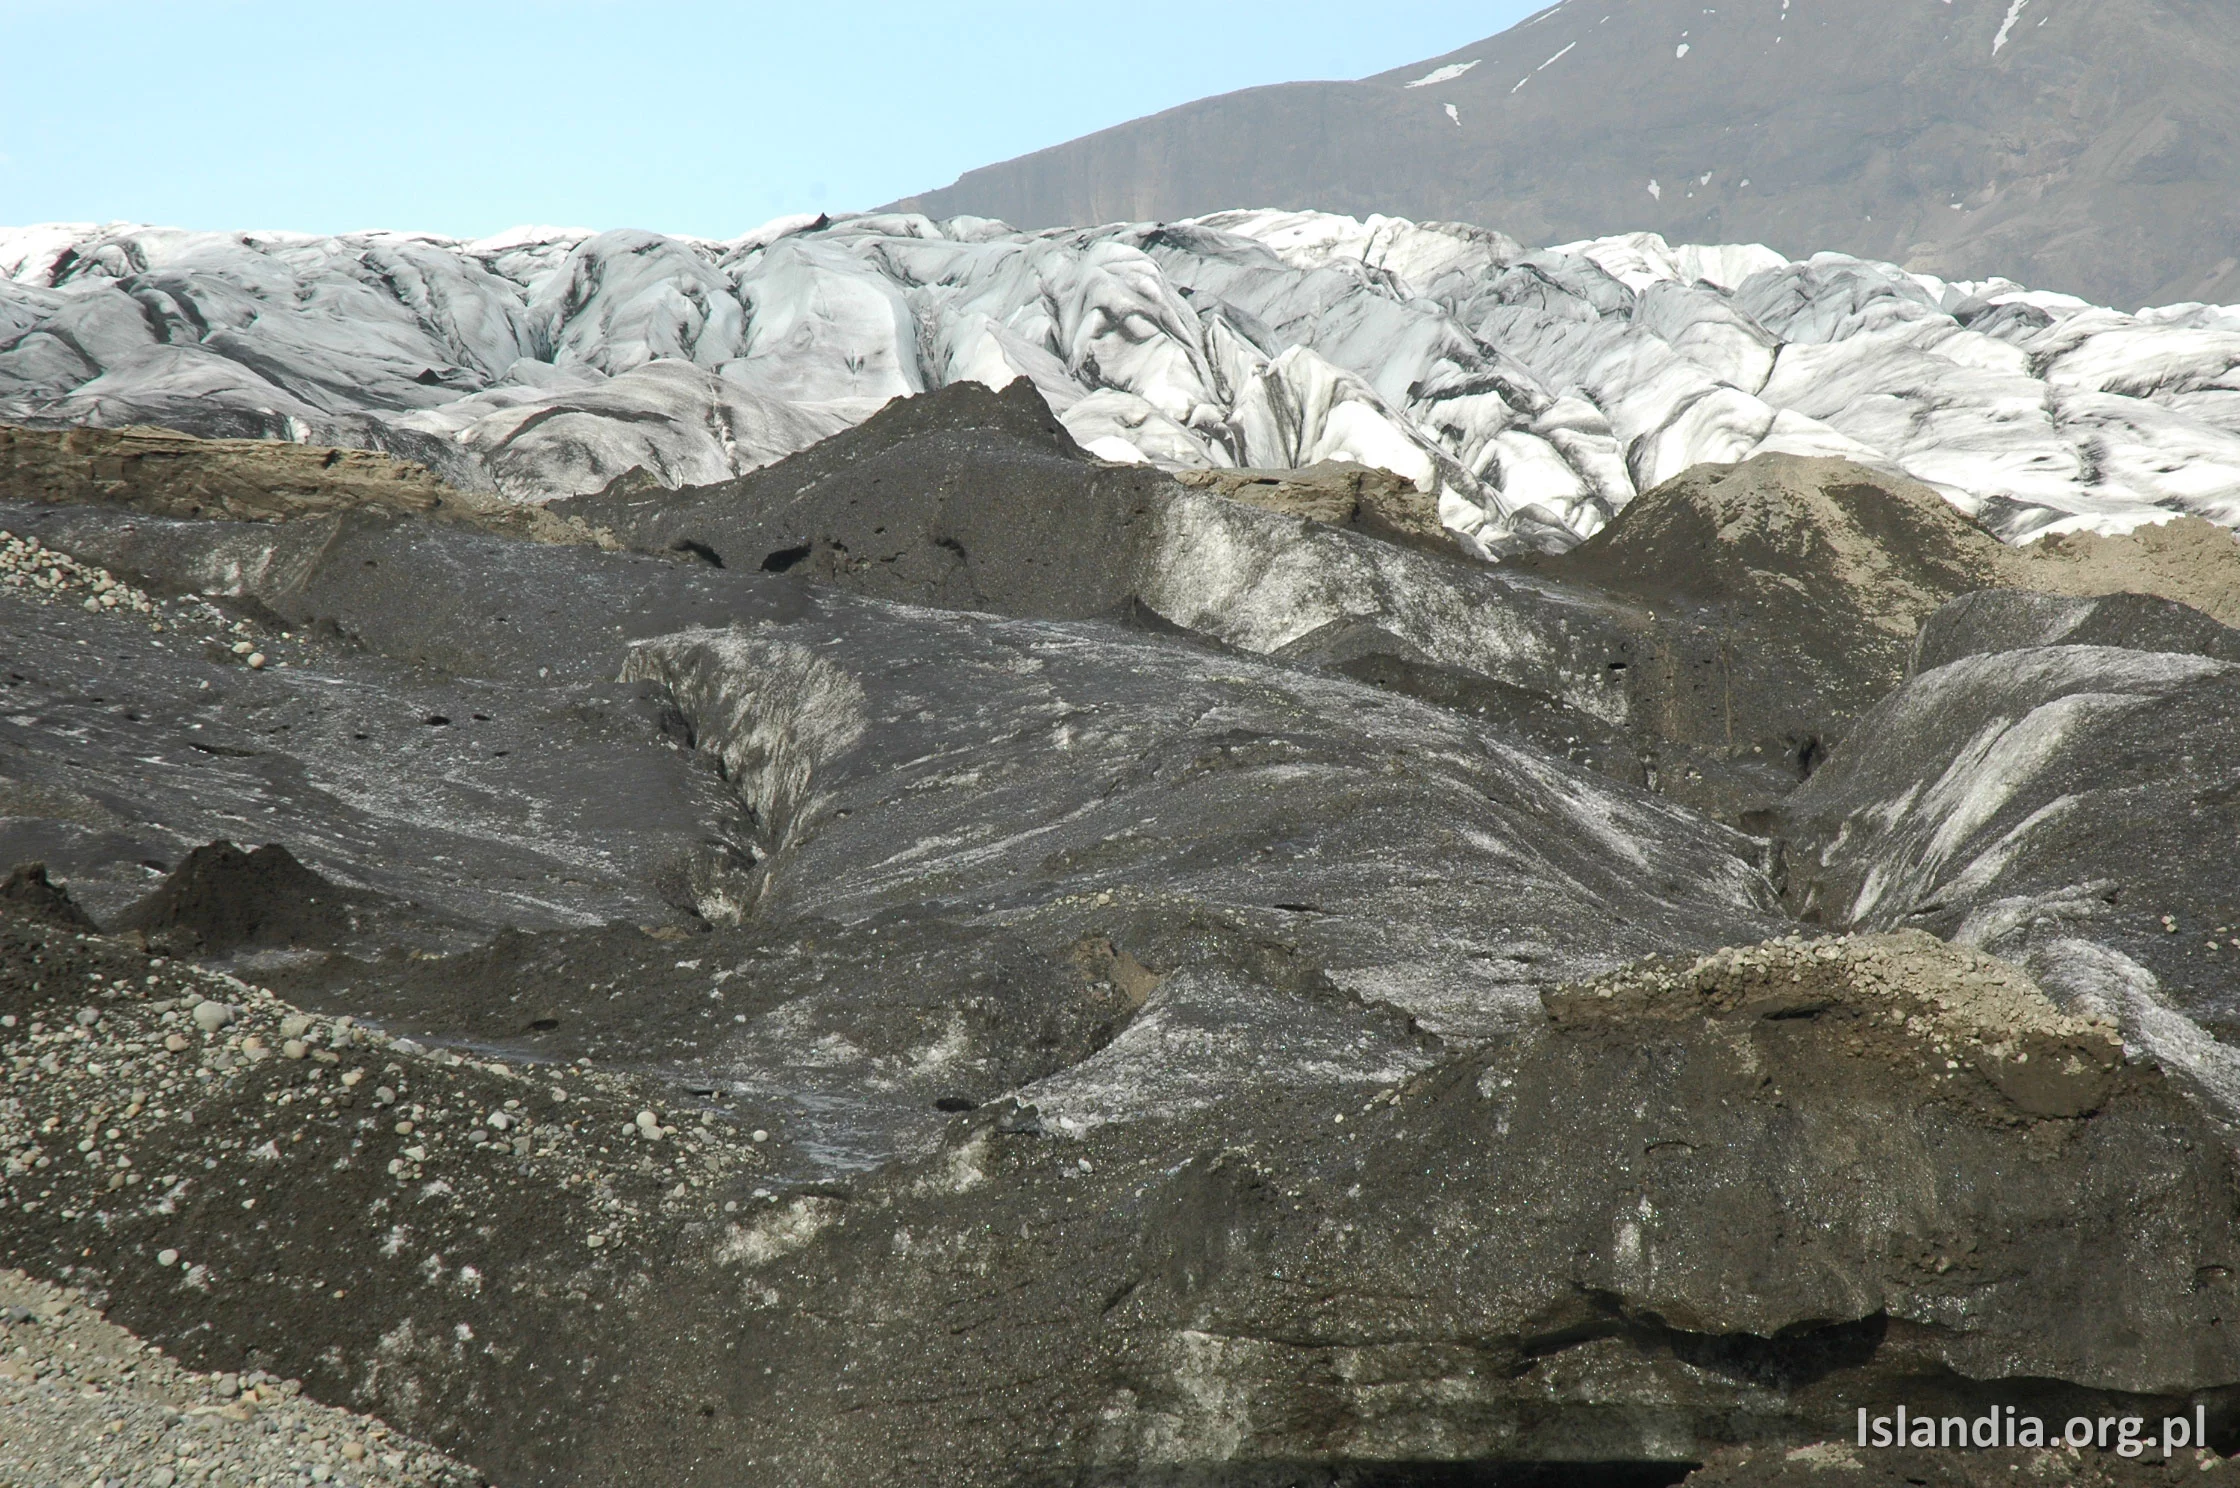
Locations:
{"points": [[2088, 146], [1529, 395]]}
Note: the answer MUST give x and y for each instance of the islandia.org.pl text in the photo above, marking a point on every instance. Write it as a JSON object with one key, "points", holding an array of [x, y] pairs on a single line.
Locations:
{"points": [[2008, 1427]]}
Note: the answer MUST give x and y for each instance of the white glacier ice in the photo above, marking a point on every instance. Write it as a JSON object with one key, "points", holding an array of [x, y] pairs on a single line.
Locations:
{"points": [[1534, 392]]}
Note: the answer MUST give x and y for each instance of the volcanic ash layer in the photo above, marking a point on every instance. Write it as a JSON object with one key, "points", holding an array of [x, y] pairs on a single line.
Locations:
{"points": [[823, 976], [1578, 1242]]}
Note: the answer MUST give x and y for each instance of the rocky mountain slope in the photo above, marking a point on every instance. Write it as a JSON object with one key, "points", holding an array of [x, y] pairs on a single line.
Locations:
{"points": [[948, 959], [1529, 395], [2087, 147]]}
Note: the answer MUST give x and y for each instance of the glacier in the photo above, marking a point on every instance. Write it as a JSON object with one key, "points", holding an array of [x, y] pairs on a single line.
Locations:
{"points": [[1535, 392]]}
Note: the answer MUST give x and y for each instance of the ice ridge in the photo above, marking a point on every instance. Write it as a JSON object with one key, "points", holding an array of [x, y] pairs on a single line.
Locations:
{"points": [[1535, 392]]}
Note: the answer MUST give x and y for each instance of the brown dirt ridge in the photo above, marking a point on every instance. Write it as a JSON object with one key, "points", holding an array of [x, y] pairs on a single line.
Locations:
{"points": [[166, 473]]}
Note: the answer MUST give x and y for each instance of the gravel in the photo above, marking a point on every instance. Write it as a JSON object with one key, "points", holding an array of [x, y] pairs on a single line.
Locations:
{"points": [[51, 576], [1906, 999], [84, 1093], [83, 1402], [335, 1193]]}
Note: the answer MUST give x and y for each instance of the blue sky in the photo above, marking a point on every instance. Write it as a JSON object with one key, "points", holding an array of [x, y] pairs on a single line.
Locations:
{"points": [[466, 116]]}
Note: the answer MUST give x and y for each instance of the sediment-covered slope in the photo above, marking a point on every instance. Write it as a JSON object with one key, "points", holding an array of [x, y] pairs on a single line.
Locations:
{"points": [[1713, 642], [87, 1399], [1319, 1284], [865, 746], [1007, 770], [1261, 1230], [435, 716], [869, 989], [2071, 807], [1993, 621], [1531, 393], [481, 795]]}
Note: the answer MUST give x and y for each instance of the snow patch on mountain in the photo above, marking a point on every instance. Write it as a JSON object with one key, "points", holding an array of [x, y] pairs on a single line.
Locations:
{"points": [[1446, 74], [1534, 392], [1543, 67], [2006, 27]]}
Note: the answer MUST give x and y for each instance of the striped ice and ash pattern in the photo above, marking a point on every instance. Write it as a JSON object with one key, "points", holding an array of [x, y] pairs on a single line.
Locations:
{"points": [[1534, 392]]}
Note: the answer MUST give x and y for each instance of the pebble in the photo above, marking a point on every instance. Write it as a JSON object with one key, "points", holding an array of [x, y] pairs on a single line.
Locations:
{"points": [[29, 566], [76, 1390], [158, 1078]]}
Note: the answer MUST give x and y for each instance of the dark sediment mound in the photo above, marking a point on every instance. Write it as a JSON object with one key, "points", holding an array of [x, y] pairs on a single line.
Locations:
{"points": [[1789, 540], [963, 498], [222, 899], [1578, 1244], [1438, 1267], [1208, 1066], [1775, 601], [970, 499], [1400, 847], [307, 1198], [29, 894], [1996, 620], [1786, 594], [439, 720], [1715, 641], [981, 501]]}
